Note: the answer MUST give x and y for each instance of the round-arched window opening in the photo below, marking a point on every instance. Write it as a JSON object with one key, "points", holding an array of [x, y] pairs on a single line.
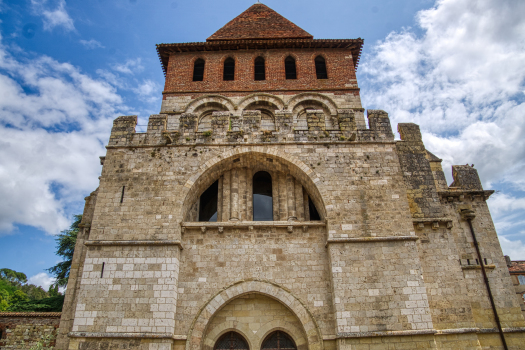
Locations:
{"points": [[229, 69], [208, 203], [289, 68], [231, 341], [262, 197], [278, 341]]}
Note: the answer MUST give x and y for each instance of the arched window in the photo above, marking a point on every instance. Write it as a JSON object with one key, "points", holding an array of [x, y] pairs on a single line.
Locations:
{"points": [[259, 69], [320, 68], [312, 210], [289, 68], [262, 197], [198, 70], [229, 69], [208, 204], [278, 341], [231, 341]]}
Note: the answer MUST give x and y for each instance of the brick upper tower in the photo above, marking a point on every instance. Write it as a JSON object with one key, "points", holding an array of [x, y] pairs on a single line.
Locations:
{"points": [[260, 212]]}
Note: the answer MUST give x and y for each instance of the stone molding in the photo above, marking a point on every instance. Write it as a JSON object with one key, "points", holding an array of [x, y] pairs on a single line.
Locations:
{"points": [[428, 331], [371, 239], [242, 287], [133, 243], [126, 335]]}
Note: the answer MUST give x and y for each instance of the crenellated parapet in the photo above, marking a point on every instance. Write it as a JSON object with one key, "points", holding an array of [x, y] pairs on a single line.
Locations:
{"points": [[251, 126]]}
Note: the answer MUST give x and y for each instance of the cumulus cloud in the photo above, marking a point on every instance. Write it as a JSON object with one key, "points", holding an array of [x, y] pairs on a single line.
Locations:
{"points": [[462, 80], [92, 44], [53, 13], [54, 122], [41, 279], [129, 67]]}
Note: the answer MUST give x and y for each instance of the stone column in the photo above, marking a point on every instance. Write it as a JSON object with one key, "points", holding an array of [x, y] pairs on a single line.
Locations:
{"points": [[249, 195], [219, 200], [283, 202], [290, 195], [306, 206], [299, 200], [234, 195], [242, 194], [275, 196], [226, 181]]}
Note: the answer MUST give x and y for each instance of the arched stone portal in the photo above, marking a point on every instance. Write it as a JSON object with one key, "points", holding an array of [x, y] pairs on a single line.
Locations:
{"points": [[249, 299]]}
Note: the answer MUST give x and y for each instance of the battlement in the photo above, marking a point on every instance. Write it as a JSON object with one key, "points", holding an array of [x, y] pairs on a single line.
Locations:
{"points": [[251, 126]]}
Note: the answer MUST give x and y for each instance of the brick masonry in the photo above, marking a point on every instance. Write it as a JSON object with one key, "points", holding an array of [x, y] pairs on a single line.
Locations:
{"points": [[390, 264]]}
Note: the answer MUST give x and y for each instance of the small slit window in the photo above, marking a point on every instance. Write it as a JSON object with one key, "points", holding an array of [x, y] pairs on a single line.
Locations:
{"points": [[231, 341], [208, 203], [198, 70], [262, 197], [259, 69], [289, 68], [278, 341], [320, 68], [229, 69]]}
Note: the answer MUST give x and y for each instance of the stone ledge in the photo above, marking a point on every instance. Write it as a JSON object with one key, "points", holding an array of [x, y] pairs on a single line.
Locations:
{"points": [[428, 331], [30, 314], [458, 192], [132, 243], [372, 239], [477, 267], [228, 224], [126, 335]]}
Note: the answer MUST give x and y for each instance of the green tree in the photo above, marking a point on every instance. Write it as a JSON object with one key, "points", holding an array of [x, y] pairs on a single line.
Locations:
{"points": [[13, 277], [66, 241], [4, 300]]}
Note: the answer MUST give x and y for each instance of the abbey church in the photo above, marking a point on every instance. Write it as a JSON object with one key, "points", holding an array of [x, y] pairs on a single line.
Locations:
{"points": [[265, 209]]}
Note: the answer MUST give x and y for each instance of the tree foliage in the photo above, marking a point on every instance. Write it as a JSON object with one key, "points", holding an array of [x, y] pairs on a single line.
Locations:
{"points": [[66, 241]]}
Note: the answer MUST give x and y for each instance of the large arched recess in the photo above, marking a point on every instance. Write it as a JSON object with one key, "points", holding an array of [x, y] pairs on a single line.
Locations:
{"points": [[212, 169], [312, 96], [294, 304], [206, 99]]}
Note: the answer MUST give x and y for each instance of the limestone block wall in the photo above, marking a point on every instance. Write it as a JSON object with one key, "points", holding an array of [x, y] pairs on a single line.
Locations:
{"points": [[128, 289]]}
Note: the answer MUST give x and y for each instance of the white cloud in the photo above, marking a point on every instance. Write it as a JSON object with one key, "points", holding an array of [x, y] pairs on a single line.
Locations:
{"points": [[462, 80], [41, 279], [91, 44], [51, 139], [514, 249], [56, 17], [129, 67]]}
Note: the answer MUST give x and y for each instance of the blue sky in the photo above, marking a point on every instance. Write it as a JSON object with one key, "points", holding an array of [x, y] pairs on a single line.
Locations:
{"points": [[68, 68]]}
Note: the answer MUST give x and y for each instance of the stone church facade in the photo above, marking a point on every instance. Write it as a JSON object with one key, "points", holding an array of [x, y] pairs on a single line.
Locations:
{"points": [[260, 210]]}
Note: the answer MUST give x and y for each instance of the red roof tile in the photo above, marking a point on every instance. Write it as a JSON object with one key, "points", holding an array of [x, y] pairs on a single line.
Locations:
{"points": [[517, 266], [259, 22]]}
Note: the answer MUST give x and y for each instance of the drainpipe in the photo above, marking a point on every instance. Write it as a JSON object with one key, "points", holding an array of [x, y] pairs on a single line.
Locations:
{"points": [[469, 216]]}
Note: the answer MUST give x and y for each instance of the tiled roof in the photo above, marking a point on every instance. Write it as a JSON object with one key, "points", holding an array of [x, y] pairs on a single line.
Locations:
{"points": [[259, 22], [517, 266], [30, 314]]}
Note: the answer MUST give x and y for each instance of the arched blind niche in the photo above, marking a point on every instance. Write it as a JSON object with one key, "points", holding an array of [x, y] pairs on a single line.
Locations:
{"points": [[320, 68], [198, 70], [231, 341], [259, 69], [262, 197], [289, 68], [278, 341], [229, 69], [208, 204]]}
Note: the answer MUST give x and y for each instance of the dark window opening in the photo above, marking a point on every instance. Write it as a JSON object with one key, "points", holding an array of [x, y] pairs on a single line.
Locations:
{"points": [[320, 68], [259, 69], [314, 214], [198, 70], [262, 197], [208, 203], [229, 69], [231, 341], [289, 68], [278, 341]]}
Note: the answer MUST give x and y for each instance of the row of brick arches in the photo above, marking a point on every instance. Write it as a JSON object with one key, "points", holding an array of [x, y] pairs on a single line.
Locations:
{"points": [[277, 340]]}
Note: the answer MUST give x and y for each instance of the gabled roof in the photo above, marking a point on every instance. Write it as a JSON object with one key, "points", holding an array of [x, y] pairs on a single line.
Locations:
{"points": [[259, 22]]}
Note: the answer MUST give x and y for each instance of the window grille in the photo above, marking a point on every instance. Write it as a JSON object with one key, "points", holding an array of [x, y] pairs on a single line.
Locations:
{"points": [[278, 341], [231, 341], [259, 69], [229, 69], [198, 70], [320, 68], [289, 68]]}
